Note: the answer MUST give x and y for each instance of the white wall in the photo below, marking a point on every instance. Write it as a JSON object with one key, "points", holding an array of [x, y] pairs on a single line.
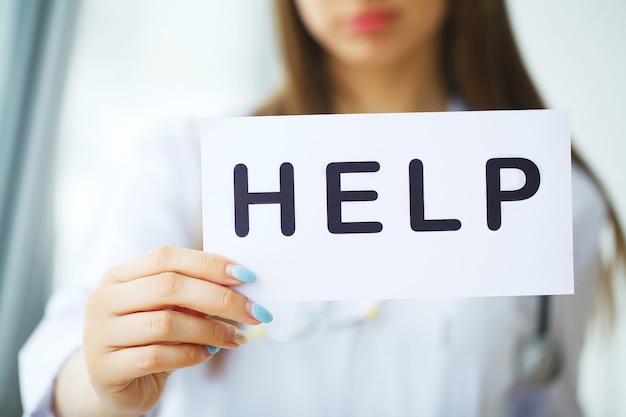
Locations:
{"points": [[139, 63], [575, 52]]}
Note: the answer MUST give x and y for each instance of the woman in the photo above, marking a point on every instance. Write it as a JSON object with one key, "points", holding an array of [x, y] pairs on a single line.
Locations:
{"points": [[156, 313]]}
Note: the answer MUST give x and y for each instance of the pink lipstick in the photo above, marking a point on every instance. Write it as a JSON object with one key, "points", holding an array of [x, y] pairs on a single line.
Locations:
{"points": [[371, 21]]}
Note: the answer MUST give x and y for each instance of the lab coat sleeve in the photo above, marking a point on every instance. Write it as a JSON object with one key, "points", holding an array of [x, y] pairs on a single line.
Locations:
{"points": [[53, 341], [158, 203]]}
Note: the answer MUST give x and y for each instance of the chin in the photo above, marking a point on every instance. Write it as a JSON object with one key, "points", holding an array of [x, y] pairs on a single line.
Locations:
{"points": [[372, 58]]}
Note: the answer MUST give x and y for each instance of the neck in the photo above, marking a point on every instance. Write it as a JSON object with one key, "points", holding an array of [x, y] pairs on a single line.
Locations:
{"points": [[413, 85]]}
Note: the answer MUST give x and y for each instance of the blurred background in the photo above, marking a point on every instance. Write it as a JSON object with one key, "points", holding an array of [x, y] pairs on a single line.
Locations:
{"points": [[79, 80]]}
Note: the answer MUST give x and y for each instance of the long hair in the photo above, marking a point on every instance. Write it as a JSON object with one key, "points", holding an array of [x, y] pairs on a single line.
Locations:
{"points": [[481, 65]]}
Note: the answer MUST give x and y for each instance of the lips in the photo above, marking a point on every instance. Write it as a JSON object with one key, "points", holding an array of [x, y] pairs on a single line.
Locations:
{"points": [[371, 21]]}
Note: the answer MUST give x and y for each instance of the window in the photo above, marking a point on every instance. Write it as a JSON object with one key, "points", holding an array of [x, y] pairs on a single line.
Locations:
{"points": [[6, 28]]}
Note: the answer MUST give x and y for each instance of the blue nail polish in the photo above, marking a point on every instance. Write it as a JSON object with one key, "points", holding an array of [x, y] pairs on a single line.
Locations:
{"points": [[261, 313], [212, 349], [243, 274]]}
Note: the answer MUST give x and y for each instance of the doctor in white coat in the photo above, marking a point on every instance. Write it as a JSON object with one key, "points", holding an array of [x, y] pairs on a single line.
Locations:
{"points": [[144, 337]]}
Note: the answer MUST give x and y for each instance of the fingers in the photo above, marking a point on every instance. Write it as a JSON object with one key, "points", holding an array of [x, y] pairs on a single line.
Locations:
{"points": [[182, 278], [135, 362], [193, 263], [167, 326], [173, 289], [157, 313]]}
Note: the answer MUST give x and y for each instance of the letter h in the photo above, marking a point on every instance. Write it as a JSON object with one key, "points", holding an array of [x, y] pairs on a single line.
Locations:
{"points": [[284, 197]]}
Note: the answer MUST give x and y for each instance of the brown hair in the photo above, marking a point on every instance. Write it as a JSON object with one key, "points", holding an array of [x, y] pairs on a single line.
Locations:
{"points": [[481, 65]]}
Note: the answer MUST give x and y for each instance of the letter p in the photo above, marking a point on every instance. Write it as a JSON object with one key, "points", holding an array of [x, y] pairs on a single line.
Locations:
{"points": [[495, 195]]}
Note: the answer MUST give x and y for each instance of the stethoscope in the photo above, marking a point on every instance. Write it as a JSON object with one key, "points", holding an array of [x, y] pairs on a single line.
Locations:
{"points": [[540, 358]]}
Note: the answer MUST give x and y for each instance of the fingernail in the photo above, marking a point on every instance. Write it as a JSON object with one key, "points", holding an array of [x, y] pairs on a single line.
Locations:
{"points": [[240, 337], [240, 273], [212, 349], [259, 312]]}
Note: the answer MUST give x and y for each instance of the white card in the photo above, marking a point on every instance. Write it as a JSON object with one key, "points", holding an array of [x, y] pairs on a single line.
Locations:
{"points": [[385, 206]]}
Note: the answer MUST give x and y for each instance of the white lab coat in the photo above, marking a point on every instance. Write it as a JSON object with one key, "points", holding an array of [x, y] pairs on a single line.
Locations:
{"points": [[432, 357]]}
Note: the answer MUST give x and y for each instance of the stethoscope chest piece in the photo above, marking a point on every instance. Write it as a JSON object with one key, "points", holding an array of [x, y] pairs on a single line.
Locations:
{"points": [[540, 361]]}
